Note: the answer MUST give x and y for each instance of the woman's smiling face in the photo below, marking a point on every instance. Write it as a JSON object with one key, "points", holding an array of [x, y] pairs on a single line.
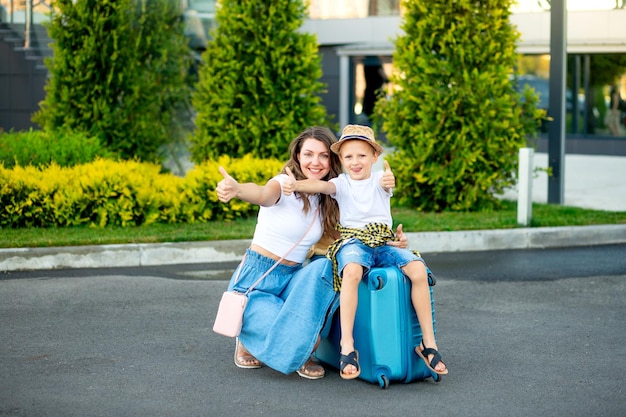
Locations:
{"points": [[314, 159]]}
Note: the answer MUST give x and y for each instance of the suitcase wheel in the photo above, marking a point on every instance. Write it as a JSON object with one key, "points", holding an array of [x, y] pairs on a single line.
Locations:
{"points": [[383, 381], [375, 283]]}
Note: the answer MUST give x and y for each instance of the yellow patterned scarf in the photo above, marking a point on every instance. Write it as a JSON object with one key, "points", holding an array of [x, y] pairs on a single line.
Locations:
{"points": [[372, 235]]}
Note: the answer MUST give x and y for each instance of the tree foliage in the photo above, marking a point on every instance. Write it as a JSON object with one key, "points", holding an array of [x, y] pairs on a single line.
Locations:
{"points": [[455, 120], [259, 81], [118, 73], [606, 69]]}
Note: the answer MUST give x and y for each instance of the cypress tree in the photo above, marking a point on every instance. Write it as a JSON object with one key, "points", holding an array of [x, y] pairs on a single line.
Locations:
{"points": [[259, 81], [456, 121], [118, 72]]}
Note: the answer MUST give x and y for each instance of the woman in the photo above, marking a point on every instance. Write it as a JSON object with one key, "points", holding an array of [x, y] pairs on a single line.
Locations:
{"points": [[288, 308]]}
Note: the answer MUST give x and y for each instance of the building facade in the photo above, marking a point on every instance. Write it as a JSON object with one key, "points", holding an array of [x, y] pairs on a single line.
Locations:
{"points": [[354, 39]]}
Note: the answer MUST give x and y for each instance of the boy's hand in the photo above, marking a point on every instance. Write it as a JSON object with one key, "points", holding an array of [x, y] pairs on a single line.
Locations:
{"points": [[402, 242], [289, 185], [228, 188], [388, 180]]}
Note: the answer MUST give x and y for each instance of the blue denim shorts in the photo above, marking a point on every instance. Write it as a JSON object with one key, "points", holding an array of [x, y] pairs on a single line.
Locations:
{"points": [[355, 251]]}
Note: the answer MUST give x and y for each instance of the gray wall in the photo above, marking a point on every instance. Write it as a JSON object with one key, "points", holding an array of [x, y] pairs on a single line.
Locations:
{"points": [[330, 77], [22, 80]]}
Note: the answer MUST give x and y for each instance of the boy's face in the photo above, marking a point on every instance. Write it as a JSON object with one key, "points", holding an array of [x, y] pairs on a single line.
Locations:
{"points": [[357, 158]]}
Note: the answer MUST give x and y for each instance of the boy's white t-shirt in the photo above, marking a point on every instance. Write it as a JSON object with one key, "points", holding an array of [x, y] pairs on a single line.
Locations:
{"points": [[362, 201], [283, 224]]}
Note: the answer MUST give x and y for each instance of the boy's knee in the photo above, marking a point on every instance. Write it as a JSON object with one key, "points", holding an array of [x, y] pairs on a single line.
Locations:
{"points": [[352, 272], [416, 271]]}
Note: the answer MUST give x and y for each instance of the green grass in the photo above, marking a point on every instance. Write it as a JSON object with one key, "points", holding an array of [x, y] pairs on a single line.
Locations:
{"points": [[544, 215]]}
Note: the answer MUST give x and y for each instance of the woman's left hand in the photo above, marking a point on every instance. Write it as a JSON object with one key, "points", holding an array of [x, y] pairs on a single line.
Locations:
{"points": [[402, 242]]}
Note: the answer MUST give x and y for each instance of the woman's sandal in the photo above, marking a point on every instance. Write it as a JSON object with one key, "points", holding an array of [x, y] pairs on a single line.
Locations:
{"points": [[350, 359], [246, 360], [311, 370], [425, 352]]}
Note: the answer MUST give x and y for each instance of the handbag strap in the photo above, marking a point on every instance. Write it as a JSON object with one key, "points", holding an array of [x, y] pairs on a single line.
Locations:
{"points": [[278, 261]]}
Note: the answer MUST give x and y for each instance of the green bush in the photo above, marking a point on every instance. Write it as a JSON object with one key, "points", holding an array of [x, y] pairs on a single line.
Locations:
{"points": [[127, 193], [259, 82], [455, 120], [39, 148], [118, 72]]}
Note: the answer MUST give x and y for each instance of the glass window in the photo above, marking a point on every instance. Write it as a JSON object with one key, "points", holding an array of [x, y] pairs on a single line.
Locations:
{"points": [[524, 6], [352, 9], [199, 21], [202, 6], [371, 79]]}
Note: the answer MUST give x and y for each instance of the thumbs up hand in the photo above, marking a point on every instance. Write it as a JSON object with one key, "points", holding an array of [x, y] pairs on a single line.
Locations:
{"points": [[228, 188], [289, 185], [402, 240], [388, 180]]}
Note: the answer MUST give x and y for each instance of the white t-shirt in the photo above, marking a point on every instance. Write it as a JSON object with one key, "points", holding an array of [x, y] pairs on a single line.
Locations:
{"points": [[283, 224], [363, 201]]}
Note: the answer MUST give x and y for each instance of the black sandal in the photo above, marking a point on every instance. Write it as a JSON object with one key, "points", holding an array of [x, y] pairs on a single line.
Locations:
{"points": [[350, 359], [436, 358]]}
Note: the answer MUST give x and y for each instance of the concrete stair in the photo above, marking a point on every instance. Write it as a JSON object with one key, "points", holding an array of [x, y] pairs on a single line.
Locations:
{"points": [[23, 75]]}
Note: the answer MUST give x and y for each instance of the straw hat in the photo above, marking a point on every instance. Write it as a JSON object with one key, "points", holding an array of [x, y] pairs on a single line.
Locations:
{"points": [[359, 132]]}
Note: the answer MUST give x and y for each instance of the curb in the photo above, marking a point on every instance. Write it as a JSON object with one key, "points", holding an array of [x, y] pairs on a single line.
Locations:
{"points": [[520, 238], [208, 252]]}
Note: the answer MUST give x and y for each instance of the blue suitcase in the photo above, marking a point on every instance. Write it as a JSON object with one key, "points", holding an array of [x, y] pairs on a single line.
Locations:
{"points": [[386, 331]]}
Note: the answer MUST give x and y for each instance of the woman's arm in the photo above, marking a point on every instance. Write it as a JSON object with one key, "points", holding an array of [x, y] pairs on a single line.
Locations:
{"points": [[262, 195]]}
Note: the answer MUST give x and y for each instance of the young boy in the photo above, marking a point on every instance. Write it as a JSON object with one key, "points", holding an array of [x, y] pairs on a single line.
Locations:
{"points": [[364, 198]]}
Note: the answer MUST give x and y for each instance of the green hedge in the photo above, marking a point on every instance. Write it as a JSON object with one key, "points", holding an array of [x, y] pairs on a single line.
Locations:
{"points": [[129, 193], [42, 148]]}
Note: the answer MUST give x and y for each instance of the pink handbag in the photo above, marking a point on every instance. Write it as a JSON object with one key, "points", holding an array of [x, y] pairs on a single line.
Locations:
{"points": [[230, 314], [229, 317]]}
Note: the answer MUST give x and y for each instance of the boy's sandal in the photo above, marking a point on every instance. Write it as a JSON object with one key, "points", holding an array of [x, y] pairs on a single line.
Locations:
{"points": [[425, 352], [311, 370], [350, 359], [245, 360]]}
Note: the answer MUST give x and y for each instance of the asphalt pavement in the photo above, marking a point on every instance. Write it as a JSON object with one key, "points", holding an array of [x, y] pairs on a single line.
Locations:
{"points": [[523, 332]]}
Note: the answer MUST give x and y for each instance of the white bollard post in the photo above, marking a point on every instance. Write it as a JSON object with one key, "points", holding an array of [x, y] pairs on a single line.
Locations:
{"points": [[525, 186]]}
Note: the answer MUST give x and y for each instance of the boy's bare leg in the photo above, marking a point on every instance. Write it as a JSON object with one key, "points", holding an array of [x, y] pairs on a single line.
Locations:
{"points": [[420, 297], [348, 300]]}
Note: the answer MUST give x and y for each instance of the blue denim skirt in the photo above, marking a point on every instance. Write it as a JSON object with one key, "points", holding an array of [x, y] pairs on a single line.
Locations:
{"points": [[286, 310]]}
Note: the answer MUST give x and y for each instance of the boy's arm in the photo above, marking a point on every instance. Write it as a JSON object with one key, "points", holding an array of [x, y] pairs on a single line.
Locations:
{"points": [[388, 180], [308, 186], [262, 195]]}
